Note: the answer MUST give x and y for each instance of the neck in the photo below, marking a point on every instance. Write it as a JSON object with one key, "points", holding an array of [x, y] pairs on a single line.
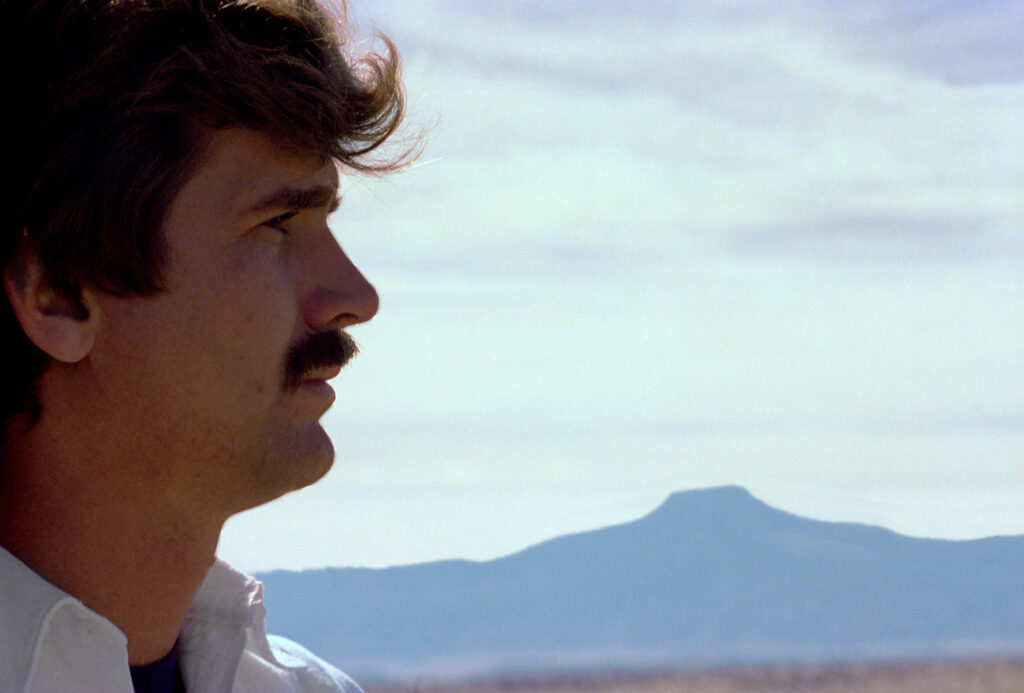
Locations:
{"points": [[119, 545]]}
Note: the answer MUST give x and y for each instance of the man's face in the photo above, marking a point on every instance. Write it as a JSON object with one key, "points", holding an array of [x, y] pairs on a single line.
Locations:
{"points": [[222, 376]]}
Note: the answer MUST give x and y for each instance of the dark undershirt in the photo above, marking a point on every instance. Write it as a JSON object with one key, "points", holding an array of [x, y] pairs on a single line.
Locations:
{"points": [[163, 676]]}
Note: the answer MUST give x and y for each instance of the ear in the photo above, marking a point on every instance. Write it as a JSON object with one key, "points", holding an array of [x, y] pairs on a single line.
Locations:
{"points": [[64, 327]]}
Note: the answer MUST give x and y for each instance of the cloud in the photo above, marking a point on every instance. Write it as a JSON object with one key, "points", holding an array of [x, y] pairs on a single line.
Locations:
{"points": [[672, 129], [960, 42], [603, 43], [880, 238]]}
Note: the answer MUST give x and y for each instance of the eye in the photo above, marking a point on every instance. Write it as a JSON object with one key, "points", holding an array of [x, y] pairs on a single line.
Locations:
{"points": [[276, 222]]}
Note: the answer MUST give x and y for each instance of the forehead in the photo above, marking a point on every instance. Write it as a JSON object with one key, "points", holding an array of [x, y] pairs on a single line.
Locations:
{"points": [[244, 172]]}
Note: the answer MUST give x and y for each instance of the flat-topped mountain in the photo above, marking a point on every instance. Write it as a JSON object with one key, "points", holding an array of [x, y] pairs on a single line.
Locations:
{"points": [[711, 576]]}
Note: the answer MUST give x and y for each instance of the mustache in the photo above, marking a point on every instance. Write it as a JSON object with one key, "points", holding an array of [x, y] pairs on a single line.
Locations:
{"points": [[320, 350]]}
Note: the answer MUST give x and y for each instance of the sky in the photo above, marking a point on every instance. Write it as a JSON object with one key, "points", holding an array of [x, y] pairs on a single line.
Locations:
{"points": [[653, 246]]}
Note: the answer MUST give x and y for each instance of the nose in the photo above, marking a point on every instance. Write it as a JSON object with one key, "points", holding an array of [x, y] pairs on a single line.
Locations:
{"points": [[341, 295]]}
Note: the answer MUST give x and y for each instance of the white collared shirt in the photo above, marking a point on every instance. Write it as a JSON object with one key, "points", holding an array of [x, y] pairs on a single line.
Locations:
{"points": [[51, 643]]}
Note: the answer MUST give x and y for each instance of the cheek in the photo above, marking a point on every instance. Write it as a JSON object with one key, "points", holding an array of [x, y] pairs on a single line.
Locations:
{"points": [[262, 319], [234, 323]]}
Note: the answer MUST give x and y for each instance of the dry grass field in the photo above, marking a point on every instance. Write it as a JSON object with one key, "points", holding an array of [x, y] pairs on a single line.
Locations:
{"points": [[932, 677]]}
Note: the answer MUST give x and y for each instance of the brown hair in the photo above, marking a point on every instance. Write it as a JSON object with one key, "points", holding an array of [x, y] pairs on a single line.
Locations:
{"points": [[110, 102]]}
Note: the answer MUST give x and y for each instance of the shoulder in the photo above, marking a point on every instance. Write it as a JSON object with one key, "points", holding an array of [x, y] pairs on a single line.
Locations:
{"points": [[278, 665], [309, 673]]}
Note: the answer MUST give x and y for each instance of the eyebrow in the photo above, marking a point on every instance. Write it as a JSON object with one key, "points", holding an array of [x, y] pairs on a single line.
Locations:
{"points": [[297, 198]]}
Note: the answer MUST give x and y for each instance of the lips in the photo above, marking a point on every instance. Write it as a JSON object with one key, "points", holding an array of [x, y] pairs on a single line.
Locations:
{"points": [[315, 382], [322, 374], [317, 388]]}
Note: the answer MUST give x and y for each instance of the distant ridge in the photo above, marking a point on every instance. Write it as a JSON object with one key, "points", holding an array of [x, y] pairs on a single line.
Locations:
{"points": [[711, 576]]}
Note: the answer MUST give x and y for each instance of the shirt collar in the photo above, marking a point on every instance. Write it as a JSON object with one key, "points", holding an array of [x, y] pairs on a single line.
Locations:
{"points": [[228, 596], [29, 605], [227, 615], [231, 600]]}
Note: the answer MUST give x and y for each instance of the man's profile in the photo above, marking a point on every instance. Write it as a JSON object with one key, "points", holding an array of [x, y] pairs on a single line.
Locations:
{"points": [[174, 305]]}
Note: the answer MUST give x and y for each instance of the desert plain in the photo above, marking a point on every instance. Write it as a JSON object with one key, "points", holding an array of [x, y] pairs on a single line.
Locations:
{"points": [[970, 676]]}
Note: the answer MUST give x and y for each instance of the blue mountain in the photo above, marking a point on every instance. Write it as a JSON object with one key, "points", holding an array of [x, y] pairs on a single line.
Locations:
{"points": [[712, 576]]}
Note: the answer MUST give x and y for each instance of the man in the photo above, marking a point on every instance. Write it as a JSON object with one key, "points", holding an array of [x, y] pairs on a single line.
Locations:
{"points": [[174, 308]]}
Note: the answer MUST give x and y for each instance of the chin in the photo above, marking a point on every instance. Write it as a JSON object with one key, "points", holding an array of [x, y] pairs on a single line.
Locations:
{"points": [[314, 458], [296, 466]]}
